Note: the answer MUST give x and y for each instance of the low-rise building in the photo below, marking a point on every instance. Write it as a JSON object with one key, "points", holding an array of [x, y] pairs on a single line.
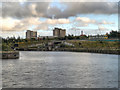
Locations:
{"points": [[45, 37], [98, 37]]}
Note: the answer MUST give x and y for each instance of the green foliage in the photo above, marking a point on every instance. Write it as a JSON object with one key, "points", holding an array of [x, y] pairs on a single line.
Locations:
{"points": [[114, 34], [94, 44], [65, 46]]}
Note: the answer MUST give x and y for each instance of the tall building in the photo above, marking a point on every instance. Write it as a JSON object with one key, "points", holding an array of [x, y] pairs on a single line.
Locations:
{"points": [[28, 34], [57, 32], [81, 32], [34, 34], [31, 34]]}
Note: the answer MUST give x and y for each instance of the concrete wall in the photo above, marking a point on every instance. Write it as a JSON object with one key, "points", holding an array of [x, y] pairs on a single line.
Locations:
{"points": [[10, 55]]}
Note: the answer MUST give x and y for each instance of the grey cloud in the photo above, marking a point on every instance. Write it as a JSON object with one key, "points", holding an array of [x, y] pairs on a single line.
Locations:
{"points": [[75, 8], [15, 9]]}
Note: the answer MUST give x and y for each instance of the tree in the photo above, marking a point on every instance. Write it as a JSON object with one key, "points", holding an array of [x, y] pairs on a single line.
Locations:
{"points": [[114, 34]]}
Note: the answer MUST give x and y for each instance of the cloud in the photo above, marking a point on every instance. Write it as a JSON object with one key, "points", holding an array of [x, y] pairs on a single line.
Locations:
{"points": [[102, 28], [46, 9], [23, 15], [57, 21], [41, 27], [48, 22], [33, 9], [85, 20], [16, 10], [106, 22], [76, 8], [59, 0], [10, 24]]}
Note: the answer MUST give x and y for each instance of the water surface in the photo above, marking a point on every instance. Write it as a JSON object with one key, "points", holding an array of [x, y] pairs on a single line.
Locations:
{"points": [[37, 69]]}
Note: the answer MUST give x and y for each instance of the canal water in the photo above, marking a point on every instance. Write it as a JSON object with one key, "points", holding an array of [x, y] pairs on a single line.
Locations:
{"points": [[35, 69]]}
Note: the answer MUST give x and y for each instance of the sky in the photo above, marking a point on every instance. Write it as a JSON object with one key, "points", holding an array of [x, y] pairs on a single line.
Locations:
{"points": [[93, 17]]}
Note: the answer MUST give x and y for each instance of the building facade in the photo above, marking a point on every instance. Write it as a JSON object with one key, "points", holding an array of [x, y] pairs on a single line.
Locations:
{"points": [[96, 37], [57, 32], [31, 34], [34, 34]]}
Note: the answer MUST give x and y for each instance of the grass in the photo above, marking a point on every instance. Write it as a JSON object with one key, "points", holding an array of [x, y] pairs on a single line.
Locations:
{"points": [[77, 44], [95, 44]]}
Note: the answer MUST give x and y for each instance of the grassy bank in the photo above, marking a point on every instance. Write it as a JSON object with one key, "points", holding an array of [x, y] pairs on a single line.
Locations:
{"points": [[78, 46], [95, 44], [91, 50]]}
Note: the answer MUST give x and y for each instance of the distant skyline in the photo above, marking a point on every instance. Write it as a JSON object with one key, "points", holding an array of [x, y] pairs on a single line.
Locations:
{"points": [[90, 17]]}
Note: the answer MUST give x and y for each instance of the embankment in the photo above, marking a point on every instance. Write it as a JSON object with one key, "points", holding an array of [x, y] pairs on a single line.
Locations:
{"points": [[103, 51], [90, 50], [9, 54]]}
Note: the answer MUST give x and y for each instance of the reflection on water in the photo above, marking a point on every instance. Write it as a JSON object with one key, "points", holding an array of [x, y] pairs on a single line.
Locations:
{"points": [[61, 70]]}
